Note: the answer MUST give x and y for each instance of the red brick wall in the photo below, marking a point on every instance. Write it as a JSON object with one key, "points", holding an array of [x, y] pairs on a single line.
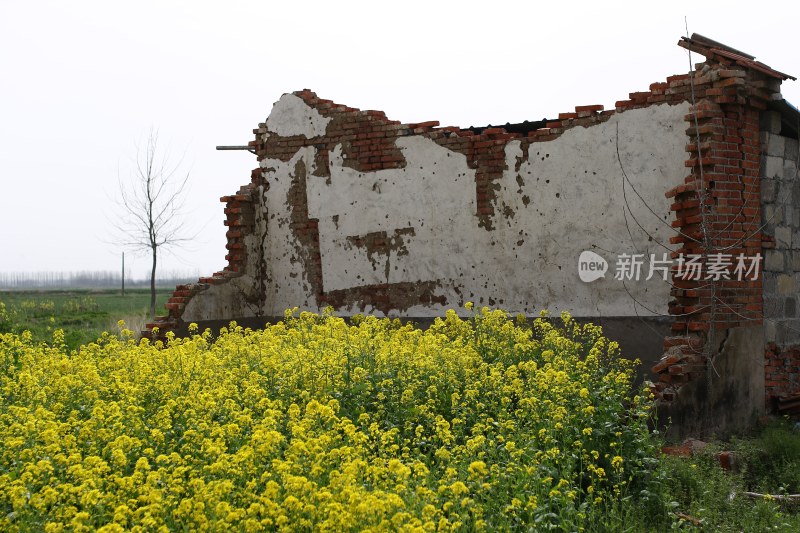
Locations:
{"points": [[782, 371]]}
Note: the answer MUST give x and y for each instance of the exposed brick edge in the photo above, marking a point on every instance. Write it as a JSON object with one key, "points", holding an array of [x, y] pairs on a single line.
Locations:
{"points": [[239, 217]]}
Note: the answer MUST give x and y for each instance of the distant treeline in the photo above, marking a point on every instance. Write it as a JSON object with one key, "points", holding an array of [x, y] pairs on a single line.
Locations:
{"points": [[90, 280]]}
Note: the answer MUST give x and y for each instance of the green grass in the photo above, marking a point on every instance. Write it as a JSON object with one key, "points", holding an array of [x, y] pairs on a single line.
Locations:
{"points": [[767, 463], [82, 314]]}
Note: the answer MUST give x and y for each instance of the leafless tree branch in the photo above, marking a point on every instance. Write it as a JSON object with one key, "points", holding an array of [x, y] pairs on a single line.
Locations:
{"points": [[151, 201]]}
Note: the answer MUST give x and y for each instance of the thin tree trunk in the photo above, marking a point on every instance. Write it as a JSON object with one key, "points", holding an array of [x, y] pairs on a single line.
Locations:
{"points": [[153, 287]]}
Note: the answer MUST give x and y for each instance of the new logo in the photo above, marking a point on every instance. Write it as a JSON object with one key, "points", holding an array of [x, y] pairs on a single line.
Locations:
{"points": [[591, 266]]}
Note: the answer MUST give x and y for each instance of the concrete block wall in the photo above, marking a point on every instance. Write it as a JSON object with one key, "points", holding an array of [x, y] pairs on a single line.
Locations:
{"points": [[780, 198]]}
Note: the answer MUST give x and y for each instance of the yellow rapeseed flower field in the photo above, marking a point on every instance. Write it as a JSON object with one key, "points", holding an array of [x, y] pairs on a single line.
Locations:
{"points": [[485, 423]]}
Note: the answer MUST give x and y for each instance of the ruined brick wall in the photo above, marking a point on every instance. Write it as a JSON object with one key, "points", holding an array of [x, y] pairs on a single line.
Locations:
{"points": [[513, 215], [356, 211], [713, 376], [366, 214]]}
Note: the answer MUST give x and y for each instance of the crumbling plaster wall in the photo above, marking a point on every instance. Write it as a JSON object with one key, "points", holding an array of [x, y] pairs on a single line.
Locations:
{"points": [[419, 224]]}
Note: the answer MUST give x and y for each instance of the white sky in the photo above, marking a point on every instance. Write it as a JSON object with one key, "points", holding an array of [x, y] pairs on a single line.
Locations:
{"points": [[82, 81]]}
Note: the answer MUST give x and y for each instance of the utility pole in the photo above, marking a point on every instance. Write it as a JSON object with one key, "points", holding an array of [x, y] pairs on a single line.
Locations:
{"points": [[123, 273]]}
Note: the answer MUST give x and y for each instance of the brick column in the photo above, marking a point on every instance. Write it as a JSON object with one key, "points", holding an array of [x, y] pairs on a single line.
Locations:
{"points": [[718, 216]]}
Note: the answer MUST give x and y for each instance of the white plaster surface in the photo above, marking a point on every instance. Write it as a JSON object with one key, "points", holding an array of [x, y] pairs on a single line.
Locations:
{"points": [[288, 285], [224, 301], [292, 116], [433, 196], [579, 199]]}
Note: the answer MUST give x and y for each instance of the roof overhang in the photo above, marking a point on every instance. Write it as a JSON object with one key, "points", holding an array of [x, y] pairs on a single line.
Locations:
{"points": [[790, 117]]}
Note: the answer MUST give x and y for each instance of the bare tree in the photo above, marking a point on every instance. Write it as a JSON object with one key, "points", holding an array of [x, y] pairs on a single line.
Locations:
{"points": [[152, 202]]}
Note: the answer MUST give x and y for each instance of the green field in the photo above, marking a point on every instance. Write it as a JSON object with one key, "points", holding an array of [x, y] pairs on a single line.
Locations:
{"points": [[83, 314]]}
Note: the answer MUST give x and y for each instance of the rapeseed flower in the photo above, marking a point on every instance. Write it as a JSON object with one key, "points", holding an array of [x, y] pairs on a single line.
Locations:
{"points": [[314, 423]]}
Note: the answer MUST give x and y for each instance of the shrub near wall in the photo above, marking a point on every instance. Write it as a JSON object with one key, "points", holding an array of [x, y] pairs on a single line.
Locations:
{"points": [[478, 424]]}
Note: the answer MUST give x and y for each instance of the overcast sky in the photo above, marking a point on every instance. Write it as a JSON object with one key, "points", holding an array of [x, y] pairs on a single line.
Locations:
{"points": [[82, 81]]}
